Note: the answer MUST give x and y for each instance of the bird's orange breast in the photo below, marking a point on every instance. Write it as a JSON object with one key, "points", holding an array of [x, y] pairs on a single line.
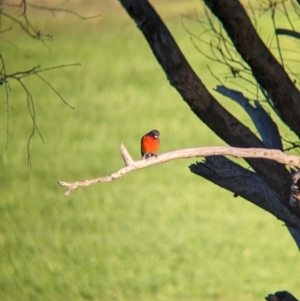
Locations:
{"points": [[149, 144]]}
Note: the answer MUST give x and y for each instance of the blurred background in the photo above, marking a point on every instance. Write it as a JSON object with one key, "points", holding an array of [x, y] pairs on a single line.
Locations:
{"points": [[159, 233]]}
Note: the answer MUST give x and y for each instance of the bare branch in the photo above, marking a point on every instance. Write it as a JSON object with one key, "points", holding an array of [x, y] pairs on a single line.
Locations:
{"points": [[3, 70], [273, 12], [69, 11], [25, 22], [54, 90], [264, 65], [293, 145], [19, 76], [239, 180], [35, 35], [247, 184], [288, 32], [31, 110], [35, 71], [5, 30], [275, 155]]}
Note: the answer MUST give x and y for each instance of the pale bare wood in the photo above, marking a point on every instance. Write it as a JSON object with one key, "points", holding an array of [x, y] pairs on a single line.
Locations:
{"points": [[131, 165]]}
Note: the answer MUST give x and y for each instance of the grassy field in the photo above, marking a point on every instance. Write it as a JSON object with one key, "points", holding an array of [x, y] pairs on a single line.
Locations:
{"points": [[157, 234]]}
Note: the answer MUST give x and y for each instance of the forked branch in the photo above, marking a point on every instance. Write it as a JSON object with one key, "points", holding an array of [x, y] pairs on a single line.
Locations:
{"points": [[25, 22], [131, 165], [19, 76]]}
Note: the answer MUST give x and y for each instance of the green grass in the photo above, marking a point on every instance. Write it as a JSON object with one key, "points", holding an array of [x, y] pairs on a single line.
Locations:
{"points": [[157, 234]]}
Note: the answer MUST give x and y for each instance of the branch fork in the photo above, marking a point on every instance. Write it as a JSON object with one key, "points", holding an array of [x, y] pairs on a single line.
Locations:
{"points": [[131, 165]]}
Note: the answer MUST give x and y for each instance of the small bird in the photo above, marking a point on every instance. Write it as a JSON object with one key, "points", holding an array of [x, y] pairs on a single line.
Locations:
{"points": [[150, 144]]}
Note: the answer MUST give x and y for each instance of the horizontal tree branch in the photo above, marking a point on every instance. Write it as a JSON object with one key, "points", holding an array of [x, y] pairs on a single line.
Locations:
{"points": [[131, 165], [237, 179]]}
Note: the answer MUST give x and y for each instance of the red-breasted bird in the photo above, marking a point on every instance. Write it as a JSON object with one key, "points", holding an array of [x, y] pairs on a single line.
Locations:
{"points": [[150, 144]]}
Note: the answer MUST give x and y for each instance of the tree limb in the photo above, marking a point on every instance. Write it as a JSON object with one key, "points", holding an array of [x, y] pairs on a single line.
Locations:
{"points": [[247, 184], [237, 179], [265, 68], [131, 165], [19, 76]]}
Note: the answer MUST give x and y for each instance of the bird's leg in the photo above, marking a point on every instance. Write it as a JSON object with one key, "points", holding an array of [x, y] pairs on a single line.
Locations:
{"points": [[149, 155]]}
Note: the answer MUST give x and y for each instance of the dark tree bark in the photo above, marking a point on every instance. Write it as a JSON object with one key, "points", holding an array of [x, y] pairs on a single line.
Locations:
{"points": [[288, 32], [281, 296], [274, 177], [265, 68], [244, 183]]}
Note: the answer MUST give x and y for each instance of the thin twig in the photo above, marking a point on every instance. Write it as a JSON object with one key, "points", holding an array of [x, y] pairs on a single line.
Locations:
{"points": [[5, 30], [69, 11], [25, 22], [54, 90], [3, 80], [18, 76], [35, 36], [287, 14], [31, 109], [273, 12]]}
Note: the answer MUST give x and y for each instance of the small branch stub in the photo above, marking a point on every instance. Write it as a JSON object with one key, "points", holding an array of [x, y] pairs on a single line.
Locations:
{"points": [[126, 156]]}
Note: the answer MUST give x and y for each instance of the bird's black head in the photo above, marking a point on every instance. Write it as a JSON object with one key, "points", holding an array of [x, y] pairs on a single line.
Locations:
{"points": [[155, 134]]}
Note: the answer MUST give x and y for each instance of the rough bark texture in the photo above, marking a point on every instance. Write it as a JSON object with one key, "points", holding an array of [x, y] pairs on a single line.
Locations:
{"points": [[265, 68]]}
